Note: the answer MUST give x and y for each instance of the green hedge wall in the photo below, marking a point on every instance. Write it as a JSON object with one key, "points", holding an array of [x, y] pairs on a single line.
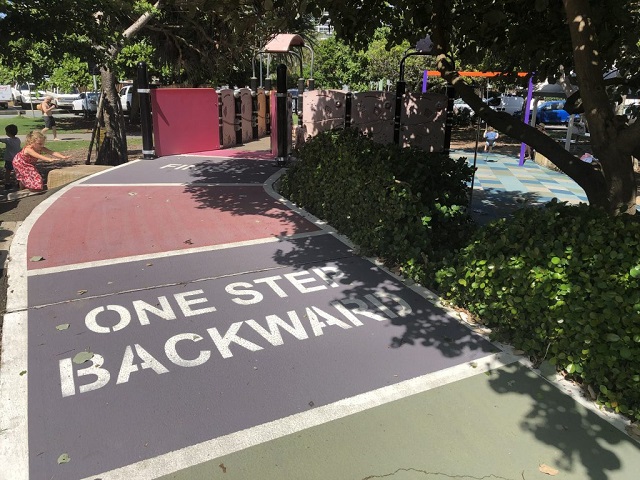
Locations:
{"points": [[404, 205], [561, 283]]}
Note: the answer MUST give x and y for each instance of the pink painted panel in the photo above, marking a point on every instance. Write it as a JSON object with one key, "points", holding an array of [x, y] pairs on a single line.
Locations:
{"points": [[228, 102], [373, 113], [246, 110], [175, 131], [273, 109], [322, 110], [423, 121]]}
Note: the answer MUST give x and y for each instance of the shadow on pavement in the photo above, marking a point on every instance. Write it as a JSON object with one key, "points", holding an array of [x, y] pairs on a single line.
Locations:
{"points": [[490, 204], [580, 436], [582, 439]]}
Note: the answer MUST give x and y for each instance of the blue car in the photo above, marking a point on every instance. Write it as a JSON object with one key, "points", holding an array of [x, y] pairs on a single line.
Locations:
{"points": [[552, 112]]}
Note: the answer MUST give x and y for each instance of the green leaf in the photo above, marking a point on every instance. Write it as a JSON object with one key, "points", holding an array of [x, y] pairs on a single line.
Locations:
{"points": [[64, 458], [82, 357], [612, 337], [571, 368]]}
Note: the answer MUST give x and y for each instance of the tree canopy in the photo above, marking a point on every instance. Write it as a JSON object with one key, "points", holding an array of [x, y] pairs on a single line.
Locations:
{"points": [[193, 42], [540, 37]]}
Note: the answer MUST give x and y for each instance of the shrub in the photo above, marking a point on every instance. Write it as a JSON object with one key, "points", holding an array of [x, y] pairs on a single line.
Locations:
{"points": [[405, 205], [561, 283]]}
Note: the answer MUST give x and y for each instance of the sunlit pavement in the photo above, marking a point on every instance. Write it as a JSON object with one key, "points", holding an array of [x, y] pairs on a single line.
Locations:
{"points": [[175, 318]]}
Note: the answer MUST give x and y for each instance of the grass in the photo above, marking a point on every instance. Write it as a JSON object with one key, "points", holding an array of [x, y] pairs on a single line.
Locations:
{"points": [[26, 123]]}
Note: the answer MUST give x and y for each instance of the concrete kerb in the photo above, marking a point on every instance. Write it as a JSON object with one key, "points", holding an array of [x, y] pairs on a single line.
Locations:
{"points": [[65, 175]]}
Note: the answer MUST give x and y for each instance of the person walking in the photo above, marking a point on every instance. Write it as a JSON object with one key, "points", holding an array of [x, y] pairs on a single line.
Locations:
{"points": [[47, 107]]}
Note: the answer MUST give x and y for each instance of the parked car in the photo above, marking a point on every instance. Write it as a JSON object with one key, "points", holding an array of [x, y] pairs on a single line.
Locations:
{"points": [[86, 104], [126, 96], [459, 105], [26, 95], [552, 112], [5, 96], [65, 100], [512, 105], [503, 103]]}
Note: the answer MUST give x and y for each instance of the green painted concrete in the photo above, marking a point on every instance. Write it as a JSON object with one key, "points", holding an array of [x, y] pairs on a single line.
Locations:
{"points": [[499, 425]]}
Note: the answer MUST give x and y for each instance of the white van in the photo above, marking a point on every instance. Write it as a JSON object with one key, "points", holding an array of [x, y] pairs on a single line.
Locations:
{"points": [[126, 95], [507, 103]]}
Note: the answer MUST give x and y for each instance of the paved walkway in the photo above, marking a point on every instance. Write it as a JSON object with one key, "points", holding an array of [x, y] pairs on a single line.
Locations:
{"points": [[175, 318]]}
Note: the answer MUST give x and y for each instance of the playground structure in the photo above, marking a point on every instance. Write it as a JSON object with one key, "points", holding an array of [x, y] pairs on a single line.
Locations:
{"points": [[226, 118], [248, 114], [243, 115]]}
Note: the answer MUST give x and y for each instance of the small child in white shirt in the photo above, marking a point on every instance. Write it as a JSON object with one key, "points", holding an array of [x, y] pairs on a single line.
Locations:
{"points": [[490, 135]]}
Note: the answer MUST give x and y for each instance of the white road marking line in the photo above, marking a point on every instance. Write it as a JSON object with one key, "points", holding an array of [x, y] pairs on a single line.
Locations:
{"points": [[172, 253], [175, 184], [234, 442]]}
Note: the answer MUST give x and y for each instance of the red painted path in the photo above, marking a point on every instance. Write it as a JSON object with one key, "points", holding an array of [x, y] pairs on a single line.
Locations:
{"points": [[168, 204]]}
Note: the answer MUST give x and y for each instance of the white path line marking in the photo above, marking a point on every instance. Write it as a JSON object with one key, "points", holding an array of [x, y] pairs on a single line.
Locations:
{"points": [[248, 157], [234, 442], [172, 253], [175, 184], [14, 395], [163, 285]]}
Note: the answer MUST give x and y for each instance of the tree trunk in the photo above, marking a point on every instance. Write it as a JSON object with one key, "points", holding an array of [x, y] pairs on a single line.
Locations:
{"points": [[615, 158], [609, 184], [113, 150]]}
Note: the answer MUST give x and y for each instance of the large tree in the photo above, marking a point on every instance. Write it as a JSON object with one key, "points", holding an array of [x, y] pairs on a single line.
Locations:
{"points": [[200, 38], [547, 37]]}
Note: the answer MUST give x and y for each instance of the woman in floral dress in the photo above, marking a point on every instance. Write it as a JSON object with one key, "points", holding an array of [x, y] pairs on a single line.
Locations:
{"points": [[24, 163]]}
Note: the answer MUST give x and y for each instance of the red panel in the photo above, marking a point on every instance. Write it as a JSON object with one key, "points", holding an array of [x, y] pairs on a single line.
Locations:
{"points": [[185, 120]]}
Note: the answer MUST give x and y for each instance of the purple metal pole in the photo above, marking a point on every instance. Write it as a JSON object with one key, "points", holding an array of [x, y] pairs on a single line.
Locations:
{"points": [[424, 82], [527, 112]]}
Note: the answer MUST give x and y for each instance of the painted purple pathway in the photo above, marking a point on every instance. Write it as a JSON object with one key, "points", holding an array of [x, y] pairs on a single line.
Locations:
{"points": [[292, 331]]}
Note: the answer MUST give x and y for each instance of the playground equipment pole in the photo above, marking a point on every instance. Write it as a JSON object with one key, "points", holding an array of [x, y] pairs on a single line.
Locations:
{"points": [[148, 152], [281, 105], [448, 124]]}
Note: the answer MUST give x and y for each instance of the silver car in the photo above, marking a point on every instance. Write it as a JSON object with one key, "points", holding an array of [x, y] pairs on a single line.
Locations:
{"points": [[65, 100]]}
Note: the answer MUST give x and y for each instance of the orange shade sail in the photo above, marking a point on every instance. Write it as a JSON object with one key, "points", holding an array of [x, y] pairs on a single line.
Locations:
{"points": [[436, 73]]}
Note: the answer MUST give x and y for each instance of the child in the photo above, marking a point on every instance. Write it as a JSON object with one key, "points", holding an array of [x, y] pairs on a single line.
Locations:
{"points": [[12, 148], [490, 136], [24, 162]]}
